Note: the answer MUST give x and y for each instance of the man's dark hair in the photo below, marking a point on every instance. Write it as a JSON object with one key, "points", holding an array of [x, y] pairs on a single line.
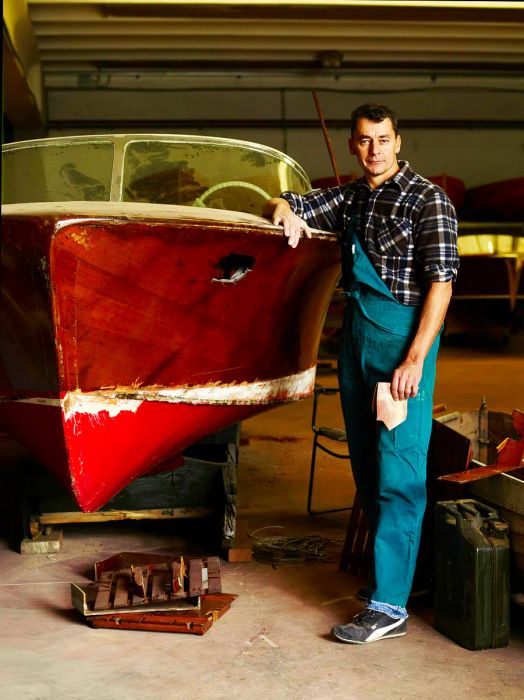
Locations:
{"points": [[375, 113]]}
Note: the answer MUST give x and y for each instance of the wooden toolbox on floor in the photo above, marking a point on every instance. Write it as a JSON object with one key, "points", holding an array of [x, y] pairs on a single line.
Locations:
{"points": [[153, 592]]}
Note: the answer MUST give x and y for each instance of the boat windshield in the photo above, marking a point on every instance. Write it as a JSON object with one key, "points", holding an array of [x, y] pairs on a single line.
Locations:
{"points": [[57, 172], [196, 171], [225, 175]]}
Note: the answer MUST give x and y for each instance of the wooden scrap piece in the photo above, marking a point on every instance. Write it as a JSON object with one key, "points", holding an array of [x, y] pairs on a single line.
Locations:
{"points": [[175, 578], [158, 589], [214, 584], [178, 573], [104, 591], [122, 588], [195, 577], [152, 586], [510, 454], [141, 578]]}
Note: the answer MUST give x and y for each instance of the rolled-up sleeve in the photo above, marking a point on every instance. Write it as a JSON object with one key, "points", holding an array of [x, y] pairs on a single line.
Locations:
{"points": [[437, 250], [319, 208]]}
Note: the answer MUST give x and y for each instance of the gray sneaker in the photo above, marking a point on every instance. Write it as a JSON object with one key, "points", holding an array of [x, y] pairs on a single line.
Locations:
{"points": [[370, 626]]}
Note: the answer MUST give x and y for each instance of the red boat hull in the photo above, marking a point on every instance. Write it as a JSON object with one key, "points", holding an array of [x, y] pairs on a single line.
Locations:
{"points": [[124, 340], [452, 186], [496, 201]]}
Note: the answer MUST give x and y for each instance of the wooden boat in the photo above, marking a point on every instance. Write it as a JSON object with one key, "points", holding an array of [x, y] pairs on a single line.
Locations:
{"points": [[496, 201], [145, 304]]}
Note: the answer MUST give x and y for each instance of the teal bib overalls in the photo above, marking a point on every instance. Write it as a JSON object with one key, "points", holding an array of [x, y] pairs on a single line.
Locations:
{"points": [[389, 466]]}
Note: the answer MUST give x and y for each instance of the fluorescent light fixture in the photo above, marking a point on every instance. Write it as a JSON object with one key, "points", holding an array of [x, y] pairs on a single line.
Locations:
{"points": [[467, 4]]}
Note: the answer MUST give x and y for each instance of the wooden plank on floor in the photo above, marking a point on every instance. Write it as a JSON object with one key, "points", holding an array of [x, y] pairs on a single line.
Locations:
{"points": [[107, 515]]}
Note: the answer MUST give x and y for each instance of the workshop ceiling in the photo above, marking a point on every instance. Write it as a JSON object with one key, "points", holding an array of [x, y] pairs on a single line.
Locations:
{"points": [[76, 37], [90, 64]]}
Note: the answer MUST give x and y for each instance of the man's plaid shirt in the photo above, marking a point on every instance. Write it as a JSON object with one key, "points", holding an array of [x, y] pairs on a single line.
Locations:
{"points": [[408, 228]]}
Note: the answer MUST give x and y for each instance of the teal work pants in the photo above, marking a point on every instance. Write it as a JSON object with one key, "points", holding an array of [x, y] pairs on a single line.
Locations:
{"points": [[389, 466]]}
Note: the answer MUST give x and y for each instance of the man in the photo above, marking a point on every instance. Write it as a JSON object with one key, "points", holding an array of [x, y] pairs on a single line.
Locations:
{"points": [[399, 258]]}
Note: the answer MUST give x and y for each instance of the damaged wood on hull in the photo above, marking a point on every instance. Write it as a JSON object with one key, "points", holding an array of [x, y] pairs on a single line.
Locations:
{"points": [[246, 393]]}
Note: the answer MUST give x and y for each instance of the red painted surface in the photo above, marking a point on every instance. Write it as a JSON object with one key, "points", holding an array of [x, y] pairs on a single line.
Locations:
{"points": [[118, 302], [452, 186], [97, 456], [510, 456], [496, 201]]}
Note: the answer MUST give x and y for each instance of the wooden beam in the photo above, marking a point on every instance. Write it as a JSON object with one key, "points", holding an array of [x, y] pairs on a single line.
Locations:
{"points": [[107, 515], [277, 123]]}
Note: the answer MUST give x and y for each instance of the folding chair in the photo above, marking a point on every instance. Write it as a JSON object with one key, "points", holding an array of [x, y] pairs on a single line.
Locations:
{"points": [[321, 434]]}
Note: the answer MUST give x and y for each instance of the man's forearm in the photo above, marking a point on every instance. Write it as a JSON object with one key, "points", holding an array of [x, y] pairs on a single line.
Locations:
{"points": [[431, 319], [269, 206], [406, 378], [281, 214]]}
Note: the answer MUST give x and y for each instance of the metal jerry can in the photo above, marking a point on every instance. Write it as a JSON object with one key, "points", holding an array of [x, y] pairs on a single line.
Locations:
{"points": [[472, 573]]}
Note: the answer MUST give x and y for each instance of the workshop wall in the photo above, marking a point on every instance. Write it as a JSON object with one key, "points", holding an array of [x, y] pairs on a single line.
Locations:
{"points": [[468, 129]]}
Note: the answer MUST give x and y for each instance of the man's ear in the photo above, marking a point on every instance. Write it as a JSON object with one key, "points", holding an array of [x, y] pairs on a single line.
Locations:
{"points": [[351, 146], [398, 142]]}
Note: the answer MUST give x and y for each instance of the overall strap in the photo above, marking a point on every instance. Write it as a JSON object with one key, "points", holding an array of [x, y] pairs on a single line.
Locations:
{"points": [[348, 234]]}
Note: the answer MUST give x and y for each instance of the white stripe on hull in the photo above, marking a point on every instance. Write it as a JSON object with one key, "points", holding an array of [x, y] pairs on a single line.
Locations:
{"points": [[114, 401]]}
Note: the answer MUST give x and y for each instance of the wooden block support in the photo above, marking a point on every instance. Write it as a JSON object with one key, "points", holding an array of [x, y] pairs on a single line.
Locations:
{"points": [[47, 543], [241, 548]]}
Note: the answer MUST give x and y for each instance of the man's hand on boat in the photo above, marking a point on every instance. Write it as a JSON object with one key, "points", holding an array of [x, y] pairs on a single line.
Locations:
{"points": [[280, 213]]}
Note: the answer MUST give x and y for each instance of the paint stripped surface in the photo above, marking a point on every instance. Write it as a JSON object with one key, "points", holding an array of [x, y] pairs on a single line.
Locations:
{"points": [[114, 401]]}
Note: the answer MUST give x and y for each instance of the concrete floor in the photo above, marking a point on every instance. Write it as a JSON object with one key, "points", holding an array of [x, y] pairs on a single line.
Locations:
{"points": [[274, 642]]}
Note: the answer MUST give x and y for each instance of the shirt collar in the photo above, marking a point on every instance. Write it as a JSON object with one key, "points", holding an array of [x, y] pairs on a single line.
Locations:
{"points": [[401, 179]]}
